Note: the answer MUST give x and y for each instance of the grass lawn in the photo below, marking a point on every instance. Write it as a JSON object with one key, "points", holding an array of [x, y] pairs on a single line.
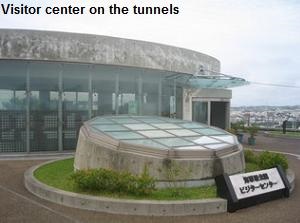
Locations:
{"points": [[288, 134], [57, 174]]}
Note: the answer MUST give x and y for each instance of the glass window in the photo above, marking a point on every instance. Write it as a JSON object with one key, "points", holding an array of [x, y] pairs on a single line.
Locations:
{"points": [[104, 90], [44, 79], [150, 93], [168, 102], [200, 111], [128, 98], [13, 106], [179, 94], [75, 101]]}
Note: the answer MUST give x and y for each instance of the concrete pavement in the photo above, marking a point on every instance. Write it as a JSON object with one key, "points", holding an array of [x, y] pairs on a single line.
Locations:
{"points": [[18, 205]]}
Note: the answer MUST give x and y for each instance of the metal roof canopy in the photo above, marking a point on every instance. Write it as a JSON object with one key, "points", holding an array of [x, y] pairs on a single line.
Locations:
{"points": [[207, 79]]}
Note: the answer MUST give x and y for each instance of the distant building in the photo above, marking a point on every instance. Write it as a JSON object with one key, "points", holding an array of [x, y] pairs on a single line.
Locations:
{"points": [[51, 82]]}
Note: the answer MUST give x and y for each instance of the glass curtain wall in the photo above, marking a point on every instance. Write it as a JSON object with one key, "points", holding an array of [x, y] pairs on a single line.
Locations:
{"points": [[104, 91], [200, 111], [56, 98], [151, 96], [75, 107], [13, 106], [44, 91], [168, 98], [129, 93]]}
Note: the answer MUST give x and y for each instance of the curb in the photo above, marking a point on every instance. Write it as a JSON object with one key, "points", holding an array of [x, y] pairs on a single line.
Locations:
{"points": [[122, 206], [126, 206]]}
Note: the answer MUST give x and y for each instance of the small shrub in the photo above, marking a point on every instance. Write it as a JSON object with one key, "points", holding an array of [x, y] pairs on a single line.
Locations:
{"points": [[250, 157], [102, 180], [268, 160], [145, 183]]}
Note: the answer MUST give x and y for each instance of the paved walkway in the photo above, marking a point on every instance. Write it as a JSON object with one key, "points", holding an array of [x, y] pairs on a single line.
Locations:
{"points": [[18, 205]]}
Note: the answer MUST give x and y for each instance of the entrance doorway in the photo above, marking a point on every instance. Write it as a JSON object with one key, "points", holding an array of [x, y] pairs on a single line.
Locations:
{"points": [[219, 114], [214, 113]]}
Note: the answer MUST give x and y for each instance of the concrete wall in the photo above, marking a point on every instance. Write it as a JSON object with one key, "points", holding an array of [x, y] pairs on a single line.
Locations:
{"points": [[83, 48]]}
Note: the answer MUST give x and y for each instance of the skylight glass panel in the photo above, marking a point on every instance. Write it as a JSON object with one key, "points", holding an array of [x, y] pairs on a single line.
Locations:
{"points": [[124, 120], [172, 120], [146, 142], [209, 131], [217, 146], [191, 148], [183, 132], [125, 135], [166, 126], [155, 134], [101, 121], [226, 138], [106, 128], [205, 140], [139, 126], [151, 120], [192, 125], [174, 142]]}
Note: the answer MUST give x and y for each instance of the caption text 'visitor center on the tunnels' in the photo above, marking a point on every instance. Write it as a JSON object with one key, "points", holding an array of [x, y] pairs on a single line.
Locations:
{"points": [[51, 82]]}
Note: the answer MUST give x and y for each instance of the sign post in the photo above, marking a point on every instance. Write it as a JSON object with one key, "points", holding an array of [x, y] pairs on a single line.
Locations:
{"points": [[247, 189]]}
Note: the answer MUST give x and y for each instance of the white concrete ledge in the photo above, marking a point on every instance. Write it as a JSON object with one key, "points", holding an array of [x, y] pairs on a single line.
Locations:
{"points": [[122, 206]]}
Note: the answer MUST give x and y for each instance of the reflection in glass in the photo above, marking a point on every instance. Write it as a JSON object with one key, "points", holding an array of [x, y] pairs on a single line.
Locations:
{"points": [[125, 135], [174, 142], [12, 106], [226, 138], [44, 106], [205, 140], [75, 101], [209, 131], [183, 132], [217, 146], [156, 134], [107, 128], [200, 111], [139, 126], [146, 142]]}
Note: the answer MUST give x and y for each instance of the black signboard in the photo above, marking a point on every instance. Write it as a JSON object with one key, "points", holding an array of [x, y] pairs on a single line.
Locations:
{"points": [[247, 189]]}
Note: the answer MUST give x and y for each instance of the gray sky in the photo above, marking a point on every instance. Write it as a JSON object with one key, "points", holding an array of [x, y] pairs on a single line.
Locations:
{"points": [[257, 40]]}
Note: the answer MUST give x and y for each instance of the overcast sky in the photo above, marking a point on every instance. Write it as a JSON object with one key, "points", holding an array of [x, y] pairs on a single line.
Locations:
{"points": [[258, 40]]}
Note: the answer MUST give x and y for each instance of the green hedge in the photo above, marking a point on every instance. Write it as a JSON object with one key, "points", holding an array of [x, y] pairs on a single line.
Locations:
{"points": [[266, 159], [102, 180]]}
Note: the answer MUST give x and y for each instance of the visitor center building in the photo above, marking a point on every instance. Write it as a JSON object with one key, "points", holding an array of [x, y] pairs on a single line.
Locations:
{"points": [[52, 82]]}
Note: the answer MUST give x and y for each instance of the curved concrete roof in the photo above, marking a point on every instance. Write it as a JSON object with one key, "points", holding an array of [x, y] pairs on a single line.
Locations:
{"points": [[85, 48]]}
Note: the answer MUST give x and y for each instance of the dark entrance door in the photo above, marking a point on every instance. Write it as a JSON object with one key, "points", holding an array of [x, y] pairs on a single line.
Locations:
{"points": [[218, 115]]}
